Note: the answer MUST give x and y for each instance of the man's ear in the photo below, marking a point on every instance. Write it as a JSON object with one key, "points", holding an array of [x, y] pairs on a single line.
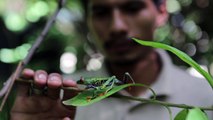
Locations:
{"points": [[163, 15]]}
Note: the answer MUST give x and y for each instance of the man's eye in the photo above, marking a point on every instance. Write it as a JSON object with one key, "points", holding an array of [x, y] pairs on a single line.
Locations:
{"points": [[100, 12], [133, 7]]}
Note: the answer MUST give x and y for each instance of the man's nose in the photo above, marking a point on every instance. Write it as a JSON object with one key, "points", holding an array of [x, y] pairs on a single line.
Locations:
{"points": [[118, 24]]}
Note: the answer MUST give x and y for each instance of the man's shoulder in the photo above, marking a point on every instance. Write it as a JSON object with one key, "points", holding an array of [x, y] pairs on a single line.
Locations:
{"points": [[190, 88], [183, 76], [179, 76]]}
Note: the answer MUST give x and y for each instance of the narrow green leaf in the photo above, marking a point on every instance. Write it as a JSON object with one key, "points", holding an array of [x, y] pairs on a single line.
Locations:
{"points": [[182, 115], [82, 98], [196, 114], [180, 54]]}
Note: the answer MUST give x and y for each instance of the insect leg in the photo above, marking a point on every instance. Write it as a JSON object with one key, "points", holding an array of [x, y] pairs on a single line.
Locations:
{"points": [[105, 84], [111, 86], [90, 86]]}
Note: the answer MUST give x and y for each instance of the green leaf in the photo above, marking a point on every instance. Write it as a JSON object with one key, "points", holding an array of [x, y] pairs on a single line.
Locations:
{"points": [[196, 114], [180, 54], [82, 98], [182, 115]]}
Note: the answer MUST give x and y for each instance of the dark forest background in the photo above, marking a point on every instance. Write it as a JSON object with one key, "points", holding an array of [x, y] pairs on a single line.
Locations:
{"points": [[65, 50]]}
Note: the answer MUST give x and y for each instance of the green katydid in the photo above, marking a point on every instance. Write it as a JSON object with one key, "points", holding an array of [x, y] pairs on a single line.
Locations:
{"points": [[102, 85]]}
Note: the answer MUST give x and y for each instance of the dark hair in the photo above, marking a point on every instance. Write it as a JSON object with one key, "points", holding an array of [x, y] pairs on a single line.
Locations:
{"points": [[84, 3]]}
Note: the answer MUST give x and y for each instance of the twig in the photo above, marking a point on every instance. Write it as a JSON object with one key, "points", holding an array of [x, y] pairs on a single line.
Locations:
{"points": [[167, 104], [12, 80], [160, 102], [9, 83], [152, 101]]}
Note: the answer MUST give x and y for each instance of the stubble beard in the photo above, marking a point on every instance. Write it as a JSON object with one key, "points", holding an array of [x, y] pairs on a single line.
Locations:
{"points": [[129, 59]]}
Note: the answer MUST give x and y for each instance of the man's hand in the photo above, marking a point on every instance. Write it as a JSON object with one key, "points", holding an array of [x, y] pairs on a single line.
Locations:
{"points": [[43, 106]]}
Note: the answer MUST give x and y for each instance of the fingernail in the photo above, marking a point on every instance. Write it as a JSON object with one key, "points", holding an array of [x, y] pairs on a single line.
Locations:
{"points": [[54, 78], [42, 77]]}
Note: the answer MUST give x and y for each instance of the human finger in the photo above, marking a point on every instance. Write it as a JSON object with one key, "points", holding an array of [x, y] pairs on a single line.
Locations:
{"points": [[54, 84], [23, 88], [28, 73], [39, 83], [67, 93], [40, 78]]}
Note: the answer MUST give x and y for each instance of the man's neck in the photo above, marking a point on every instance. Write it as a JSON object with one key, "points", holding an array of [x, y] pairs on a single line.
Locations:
{"points": [[143, 71]]}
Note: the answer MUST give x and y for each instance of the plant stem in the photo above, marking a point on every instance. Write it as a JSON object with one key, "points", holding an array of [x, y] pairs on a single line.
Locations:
{"points": [[160, 102], [129, 97], [10, 84]]}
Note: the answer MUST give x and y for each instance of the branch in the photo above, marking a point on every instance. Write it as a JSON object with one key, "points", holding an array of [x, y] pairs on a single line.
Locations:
{"points": [[160, 102], [9, 83], [153, 101]]}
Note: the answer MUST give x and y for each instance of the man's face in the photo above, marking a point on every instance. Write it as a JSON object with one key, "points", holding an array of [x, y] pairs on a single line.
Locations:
{"points": [[114, 22]]}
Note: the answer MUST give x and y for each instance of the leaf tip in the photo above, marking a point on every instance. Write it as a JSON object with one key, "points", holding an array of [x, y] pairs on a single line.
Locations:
{"points": [[135, 39]]}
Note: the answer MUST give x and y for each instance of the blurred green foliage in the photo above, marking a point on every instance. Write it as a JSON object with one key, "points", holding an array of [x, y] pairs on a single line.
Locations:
{"points": [[189, 29], [23, 20]]}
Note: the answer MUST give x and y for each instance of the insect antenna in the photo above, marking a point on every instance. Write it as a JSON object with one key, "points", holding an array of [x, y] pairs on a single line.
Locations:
{"points": [[127, 76]]}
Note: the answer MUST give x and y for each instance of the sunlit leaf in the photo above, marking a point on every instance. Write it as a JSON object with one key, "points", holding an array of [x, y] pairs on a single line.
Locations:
{"points": [[182, 115], [82, 99], [180, 54], [196, 114]]}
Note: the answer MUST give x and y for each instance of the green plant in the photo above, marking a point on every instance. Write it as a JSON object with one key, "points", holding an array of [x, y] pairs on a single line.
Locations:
{"points": [[108, 87], [98, 89]]}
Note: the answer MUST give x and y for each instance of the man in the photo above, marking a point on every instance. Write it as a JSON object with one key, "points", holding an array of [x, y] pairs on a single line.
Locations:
{"points": [[113, 23]]}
